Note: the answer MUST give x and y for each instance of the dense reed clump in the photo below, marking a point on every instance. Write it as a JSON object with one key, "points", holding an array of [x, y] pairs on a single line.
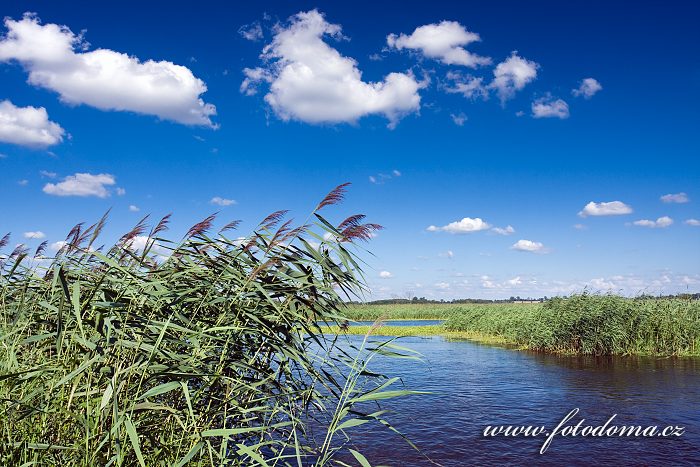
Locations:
{"points": [[591, 324], [205, 351]]}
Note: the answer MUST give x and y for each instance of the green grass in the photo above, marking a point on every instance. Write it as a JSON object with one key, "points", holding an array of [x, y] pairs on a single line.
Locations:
{"points": [[581, 324], [203, 351], [416, 311], [429, 330]]}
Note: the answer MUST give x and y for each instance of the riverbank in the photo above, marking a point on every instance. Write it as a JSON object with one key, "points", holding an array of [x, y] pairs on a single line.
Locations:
{"points": [[411, 331], [582, 324]]}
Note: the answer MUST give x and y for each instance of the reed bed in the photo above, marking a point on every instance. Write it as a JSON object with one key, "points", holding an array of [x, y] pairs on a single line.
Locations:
{"points": [[203, 351], [592, 324]]}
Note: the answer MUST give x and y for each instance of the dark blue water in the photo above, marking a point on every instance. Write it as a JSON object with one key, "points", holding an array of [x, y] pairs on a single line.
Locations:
{"points": [[474, 386], [407, 322]]}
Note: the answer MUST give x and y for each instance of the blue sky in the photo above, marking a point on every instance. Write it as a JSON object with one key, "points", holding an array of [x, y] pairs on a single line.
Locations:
{"points": [[463, 117]]}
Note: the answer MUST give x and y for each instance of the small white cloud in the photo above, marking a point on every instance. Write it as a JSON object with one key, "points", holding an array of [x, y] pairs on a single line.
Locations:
{"points": [[487, 283], [55, 246], [512, 75], [47, 174], [514, 281], [548, 107], [679, 198], [459, 119], [55, 59], [509, 230], [442, 285], [467, 85], [466, 225], [134, 208], [251, 32], [81, 184], [23, 182], [219, 201], [529, 246], [693, 222], [380, 179], [35, 235], [661, 222], [28, 126], [444, 41], [600, 283], [580, 227], [312, 82], [611, 208], [385, 274], [587, 88], [449, 254]]}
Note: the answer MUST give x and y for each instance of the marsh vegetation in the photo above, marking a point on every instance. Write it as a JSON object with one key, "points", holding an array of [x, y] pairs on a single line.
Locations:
{"points": [[201, 351], [588, 324]]}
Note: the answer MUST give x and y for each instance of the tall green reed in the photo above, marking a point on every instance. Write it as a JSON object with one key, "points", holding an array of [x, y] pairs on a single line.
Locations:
{"points": [[592, 324], [205, 351]]}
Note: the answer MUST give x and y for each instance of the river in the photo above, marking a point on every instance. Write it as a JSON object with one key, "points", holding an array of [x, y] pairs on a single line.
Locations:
{"points": [[473, 386]]}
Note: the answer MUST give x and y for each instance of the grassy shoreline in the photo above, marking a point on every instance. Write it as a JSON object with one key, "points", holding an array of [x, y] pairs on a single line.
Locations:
{"points": [[426, 331], [584, 324]]}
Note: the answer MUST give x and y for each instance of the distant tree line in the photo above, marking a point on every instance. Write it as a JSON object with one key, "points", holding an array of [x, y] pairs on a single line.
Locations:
{"points": [[516, 299]]}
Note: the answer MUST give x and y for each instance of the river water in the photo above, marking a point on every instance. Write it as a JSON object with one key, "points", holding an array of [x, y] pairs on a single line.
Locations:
{"points": [[473, 386]]}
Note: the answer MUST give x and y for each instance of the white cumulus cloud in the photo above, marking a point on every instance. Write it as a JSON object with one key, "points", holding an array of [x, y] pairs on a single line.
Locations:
{"points": [[611, 208], [661, 222], [529, 246], [35, 235], [679, 198], [55, 59], [385, 274], [549, 107], [134, 208], [28, 126], [444, 41], [693, 222], [587, 88], [466, 225], [509, 230], [312, 82], [512, 75], [82, 184], [219, 201]]}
